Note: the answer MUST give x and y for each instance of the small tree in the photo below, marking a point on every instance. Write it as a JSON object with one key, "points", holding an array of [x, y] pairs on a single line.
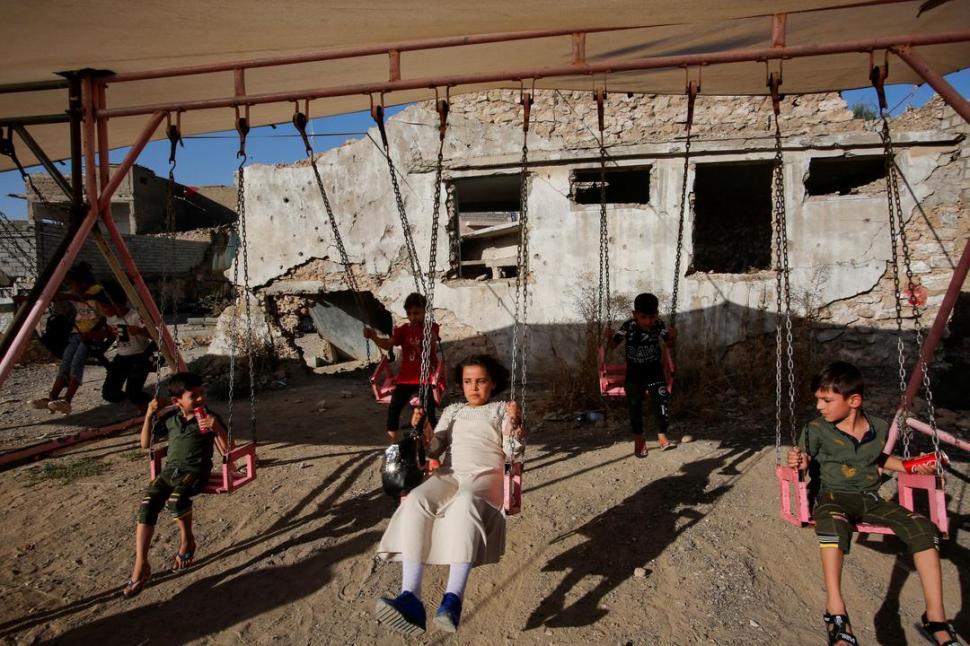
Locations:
{"points": [[863, 111]]}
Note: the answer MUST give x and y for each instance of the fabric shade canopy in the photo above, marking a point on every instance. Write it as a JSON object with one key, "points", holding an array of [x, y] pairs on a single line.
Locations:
{"points": [[44, 37]]}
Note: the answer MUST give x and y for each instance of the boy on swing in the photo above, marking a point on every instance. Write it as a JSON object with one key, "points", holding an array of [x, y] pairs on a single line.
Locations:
{"points": [[186, 471], [844, 447], [643, 334], [410, 337]]}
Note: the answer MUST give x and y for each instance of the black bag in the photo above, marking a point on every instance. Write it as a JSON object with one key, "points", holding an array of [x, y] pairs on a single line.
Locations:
{"points": [[56, 333], [403, 468]]}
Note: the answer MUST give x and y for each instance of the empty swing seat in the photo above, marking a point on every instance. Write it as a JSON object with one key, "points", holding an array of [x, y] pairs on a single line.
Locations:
{"points": [[791, 485], [224, 480], [382, 383], [612, 376]]}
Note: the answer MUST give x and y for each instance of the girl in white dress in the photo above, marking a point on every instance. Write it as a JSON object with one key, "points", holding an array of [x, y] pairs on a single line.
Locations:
{"points": [[455, 517]]}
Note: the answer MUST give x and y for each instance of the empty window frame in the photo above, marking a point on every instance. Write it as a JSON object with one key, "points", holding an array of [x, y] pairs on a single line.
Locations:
{"points": [[484, 227], [625, 185], [732, 217], [845, 175]]}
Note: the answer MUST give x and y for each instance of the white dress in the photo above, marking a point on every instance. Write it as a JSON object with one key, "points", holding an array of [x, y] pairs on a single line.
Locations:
{"points": [[456, 516]]}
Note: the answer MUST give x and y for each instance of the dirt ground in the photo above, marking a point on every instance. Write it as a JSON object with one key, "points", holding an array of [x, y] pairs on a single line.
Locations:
{"points": [[290, 558]]}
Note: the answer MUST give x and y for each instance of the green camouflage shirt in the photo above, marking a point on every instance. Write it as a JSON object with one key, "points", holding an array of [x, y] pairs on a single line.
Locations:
{"points": [[188, 449], [844, 464]]}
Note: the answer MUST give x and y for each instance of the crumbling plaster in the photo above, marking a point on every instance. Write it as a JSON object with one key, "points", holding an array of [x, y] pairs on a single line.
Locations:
{"points": [[839, 245]]}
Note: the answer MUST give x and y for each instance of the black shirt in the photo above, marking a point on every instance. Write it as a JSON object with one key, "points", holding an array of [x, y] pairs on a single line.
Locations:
{"points": [[642, 350]]}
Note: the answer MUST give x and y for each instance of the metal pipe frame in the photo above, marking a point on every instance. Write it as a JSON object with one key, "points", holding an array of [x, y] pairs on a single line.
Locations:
{"points": [[937, 82], [600, 67], [97, 201], [144, 302]]}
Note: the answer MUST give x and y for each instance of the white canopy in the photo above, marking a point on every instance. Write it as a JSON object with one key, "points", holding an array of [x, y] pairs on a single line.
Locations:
{"points": [[43, 37]]}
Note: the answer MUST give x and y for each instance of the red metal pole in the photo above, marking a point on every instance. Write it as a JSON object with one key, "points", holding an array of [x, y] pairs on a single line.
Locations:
{"points": [[603, 66], [91, 185], [352, 52], [939, 324], [937, 82], [119, 242]]}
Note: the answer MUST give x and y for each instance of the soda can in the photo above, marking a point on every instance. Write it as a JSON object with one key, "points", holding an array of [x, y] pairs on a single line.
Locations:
{"points": [[200, 416]]}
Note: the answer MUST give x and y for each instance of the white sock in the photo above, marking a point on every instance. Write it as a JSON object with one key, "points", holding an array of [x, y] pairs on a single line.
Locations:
{"points": [[411, 573], [458, 578]]}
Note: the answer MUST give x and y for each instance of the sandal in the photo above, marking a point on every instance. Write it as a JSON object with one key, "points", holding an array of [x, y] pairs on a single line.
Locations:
{"points": [[183, 560], [930, 627], [133, 588], [669, 444], [837, 626]]}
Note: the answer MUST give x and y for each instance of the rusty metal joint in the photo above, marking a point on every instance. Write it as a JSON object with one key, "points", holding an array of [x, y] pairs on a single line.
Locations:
{"points": [[443, 107], [377, 113], [526, 101], [600, 110], [174, 133], [877, 76], [774, 85], [693, 89], [242, 127], [300, 121]]}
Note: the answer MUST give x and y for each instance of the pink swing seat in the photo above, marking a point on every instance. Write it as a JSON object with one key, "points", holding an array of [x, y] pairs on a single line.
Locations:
{"points": [[612, 376], [382, 383], [224, 480], [790, 482], [513, 488]]}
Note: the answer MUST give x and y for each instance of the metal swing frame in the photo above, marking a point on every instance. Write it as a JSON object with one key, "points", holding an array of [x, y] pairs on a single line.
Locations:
{"points": [[88, 114]]}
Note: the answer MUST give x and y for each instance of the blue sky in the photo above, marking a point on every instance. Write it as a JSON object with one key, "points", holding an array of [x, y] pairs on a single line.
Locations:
{"points": [[211, 159]]}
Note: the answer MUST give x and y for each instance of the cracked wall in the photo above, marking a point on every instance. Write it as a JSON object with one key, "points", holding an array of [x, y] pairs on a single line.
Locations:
{"points": [[839, 244]]}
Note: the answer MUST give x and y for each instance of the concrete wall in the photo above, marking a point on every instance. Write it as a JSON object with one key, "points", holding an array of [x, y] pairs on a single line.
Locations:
{"points": [[839, 245]]}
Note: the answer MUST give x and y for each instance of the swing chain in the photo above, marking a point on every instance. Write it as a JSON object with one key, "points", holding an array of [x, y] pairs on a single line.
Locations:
{"points": [[603, 306], [520, 317], [693, 87], [377, 112], [427, 333], [300, 121], [898, 231], [240, 213], [782, 300]]}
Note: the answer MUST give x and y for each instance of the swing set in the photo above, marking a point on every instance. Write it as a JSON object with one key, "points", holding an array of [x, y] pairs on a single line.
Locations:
{"points": [[613, 51]]}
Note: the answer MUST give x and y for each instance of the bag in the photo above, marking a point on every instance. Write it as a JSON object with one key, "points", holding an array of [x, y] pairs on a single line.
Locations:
{"points": [[403, 464], [56, 333]]}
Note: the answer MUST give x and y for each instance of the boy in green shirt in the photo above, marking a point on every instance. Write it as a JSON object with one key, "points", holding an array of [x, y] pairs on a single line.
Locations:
{"points": [[844, 446], [186, 471]]}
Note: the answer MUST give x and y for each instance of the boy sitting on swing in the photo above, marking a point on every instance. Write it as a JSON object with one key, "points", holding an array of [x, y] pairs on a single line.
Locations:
{"points": [[186, 471], [844, 447], [643, 334], [409, 336]]}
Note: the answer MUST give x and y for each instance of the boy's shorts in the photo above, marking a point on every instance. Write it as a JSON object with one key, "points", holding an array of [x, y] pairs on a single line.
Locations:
{"points": [[836, 514], [172, 489]]}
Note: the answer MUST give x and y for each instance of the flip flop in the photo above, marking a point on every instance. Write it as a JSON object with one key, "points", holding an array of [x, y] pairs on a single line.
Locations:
{"points": [[185, 560], [670, 444], [133, 588]]}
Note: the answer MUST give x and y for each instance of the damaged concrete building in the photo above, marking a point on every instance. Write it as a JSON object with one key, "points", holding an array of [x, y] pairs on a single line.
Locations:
{"points": [[836, 202]]}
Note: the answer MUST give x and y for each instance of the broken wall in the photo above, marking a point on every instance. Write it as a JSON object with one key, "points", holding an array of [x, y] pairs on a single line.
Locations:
{"points": [[839, 244]]}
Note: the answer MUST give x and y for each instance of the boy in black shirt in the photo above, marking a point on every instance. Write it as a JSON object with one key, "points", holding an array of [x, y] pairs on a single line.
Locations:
{"points": [[643, 335]]}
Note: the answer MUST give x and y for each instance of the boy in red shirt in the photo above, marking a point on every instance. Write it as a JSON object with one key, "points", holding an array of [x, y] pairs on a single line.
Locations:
{"points": [[408, 336]]}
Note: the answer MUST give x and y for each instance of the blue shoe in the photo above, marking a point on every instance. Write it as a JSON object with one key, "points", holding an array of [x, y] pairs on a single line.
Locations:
{"points": [[405, 614], [449, 613]]}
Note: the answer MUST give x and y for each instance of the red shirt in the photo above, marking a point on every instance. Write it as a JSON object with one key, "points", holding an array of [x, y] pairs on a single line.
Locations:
{"points": [[409, 337]]}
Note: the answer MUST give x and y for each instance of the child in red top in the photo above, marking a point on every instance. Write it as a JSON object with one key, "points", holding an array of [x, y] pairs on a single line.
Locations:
{"points": [[408, 336]]}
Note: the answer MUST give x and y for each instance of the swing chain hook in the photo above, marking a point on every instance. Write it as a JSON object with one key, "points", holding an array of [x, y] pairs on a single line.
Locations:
{"points": [[443, 107], [692, 88], [242, 127], [773, 84], [377, 113], [877, 76], [174, 134], [525, 98], [300, 121]]}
